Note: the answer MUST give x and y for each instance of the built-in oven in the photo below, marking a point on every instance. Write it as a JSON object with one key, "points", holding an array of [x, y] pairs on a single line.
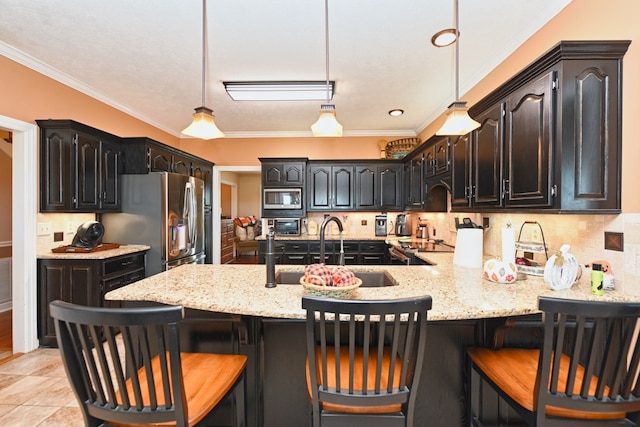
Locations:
{"points": [[282, 198]]}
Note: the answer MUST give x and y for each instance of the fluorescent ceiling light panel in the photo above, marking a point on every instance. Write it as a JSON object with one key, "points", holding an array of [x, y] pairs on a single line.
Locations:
{"points": [[279, 91]]}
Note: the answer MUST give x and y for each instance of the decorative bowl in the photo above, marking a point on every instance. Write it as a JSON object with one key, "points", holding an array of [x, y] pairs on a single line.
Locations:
{"points": [[340, 292]]}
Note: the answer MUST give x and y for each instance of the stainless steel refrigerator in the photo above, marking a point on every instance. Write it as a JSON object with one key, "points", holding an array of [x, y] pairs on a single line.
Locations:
{"points": [[165, 211]]}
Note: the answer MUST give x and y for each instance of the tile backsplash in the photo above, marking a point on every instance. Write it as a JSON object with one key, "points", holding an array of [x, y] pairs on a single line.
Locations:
{"points": [[584, 234]]}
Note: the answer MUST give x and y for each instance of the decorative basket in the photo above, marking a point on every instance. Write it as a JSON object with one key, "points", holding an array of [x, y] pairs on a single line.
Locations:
{"points": [[340, 292], [400, 147]]}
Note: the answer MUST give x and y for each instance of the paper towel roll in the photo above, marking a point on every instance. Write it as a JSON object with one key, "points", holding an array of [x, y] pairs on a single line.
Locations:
{"points": [[468, 251], [509, 245]]}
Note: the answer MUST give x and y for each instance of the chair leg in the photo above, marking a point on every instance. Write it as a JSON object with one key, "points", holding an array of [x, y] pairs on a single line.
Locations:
{"points": [[240, 402]]}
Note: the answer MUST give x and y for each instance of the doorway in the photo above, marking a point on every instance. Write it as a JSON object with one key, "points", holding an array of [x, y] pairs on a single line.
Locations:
{"points": [[23, 233], [217, 207]]}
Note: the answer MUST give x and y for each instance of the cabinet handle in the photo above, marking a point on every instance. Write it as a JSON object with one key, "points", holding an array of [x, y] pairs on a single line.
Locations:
{"points": [[505, 188], [126, 263]]}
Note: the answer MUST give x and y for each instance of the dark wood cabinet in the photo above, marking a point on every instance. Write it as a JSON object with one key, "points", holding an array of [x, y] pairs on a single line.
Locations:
{"points": [[330, 186], [82, 281], [308, 252], [80, 168], [414, 190], [436, 156], [288, 172], [226, 241], [549, 137], [378, 186], [476, 163], [528, 140]]}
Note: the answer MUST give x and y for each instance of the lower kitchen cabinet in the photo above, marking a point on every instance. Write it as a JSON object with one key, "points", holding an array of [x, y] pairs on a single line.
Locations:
{"points": [[356, 252], [226, 241], [82, 281]]}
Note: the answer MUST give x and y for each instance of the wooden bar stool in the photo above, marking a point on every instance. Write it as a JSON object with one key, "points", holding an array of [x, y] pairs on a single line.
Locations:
{"points": [[585, 374], [364, 360], [144, 378]]}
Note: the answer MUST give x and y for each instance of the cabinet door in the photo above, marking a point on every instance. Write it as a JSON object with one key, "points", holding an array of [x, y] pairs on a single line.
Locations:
{"points": [[415, 185], [441, 155], [390, 188], [110, 182], [591, 143], [319, 187], [429, 162], [461, 171], [88, 178], [181, 165], [57, 170], [159, 160], [342, 187], [365, 189], [64, 281], [487, 158], [528, 143], [283, 173]]}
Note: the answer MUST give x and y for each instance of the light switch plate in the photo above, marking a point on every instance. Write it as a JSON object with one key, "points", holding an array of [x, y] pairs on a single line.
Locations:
{"points": [[45, 229]]}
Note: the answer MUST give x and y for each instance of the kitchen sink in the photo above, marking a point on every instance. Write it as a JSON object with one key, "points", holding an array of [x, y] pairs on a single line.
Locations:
{"points": [[370, 279]]}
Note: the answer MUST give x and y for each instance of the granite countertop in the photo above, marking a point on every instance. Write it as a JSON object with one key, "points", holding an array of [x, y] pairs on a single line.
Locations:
{"points": [[458, 293], [110, 253]]}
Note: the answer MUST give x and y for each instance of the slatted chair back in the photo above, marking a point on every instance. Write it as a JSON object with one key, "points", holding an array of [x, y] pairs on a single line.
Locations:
{"points": [[364, 358], [590, 359], [100, 369]]}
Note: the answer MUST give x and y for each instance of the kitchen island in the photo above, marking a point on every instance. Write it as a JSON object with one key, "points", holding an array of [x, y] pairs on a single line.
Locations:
{"points": [[269, 326]]}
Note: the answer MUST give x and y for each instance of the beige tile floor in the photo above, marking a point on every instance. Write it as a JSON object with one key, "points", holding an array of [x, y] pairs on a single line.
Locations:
{"points": [[34, 392]]}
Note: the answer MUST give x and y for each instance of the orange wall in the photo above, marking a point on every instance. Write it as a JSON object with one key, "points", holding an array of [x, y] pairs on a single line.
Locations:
{"points": [[585, 20], [28, 95]]}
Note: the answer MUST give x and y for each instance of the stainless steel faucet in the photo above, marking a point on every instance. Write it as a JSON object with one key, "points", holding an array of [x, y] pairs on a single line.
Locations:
{"points": [[270, 259], [322, 228]]}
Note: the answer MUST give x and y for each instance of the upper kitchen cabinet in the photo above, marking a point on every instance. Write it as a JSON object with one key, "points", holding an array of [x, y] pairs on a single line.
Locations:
{"points": [[414, 190], [378, 186], [279, 172], [549, 138], [330, 186], [80, 168]]}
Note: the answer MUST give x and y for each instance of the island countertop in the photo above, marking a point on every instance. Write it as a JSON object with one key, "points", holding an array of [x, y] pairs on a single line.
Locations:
{"points": [[458, 293]]}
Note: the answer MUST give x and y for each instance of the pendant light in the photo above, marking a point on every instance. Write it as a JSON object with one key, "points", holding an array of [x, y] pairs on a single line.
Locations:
{"points": [[327, 124], [458, 121], [203, 125]]}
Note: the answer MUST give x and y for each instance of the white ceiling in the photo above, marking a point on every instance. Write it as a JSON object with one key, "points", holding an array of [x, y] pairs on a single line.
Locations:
{"points": [[144, 56]]}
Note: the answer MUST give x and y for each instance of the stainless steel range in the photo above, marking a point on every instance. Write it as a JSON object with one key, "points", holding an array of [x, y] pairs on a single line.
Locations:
{"points": [[404, 251]]}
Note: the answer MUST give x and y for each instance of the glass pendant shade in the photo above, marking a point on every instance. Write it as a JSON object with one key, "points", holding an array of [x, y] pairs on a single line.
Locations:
{"points": [[458, 120], [327, 124], [203, 125]]}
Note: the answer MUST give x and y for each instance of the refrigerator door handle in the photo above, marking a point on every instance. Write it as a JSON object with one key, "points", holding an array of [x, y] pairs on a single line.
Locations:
{"points": [[190, 212]]}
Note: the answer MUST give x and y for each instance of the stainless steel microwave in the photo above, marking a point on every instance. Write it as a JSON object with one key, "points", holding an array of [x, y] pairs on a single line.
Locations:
{"points": [[282, 198]]}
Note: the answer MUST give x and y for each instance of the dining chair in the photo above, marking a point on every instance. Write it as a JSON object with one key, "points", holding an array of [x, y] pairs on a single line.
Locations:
{"points": [[364, 360], [125, 367], [585, 373]]}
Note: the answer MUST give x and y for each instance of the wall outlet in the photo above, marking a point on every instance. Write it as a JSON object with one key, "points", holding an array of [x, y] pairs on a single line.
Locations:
{"points": [[70, 228], [45, 229]]}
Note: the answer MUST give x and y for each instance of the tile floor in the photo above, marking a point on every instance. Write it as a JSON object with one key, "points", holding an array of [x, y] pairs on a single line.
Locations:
{"points": [[34, 392]]}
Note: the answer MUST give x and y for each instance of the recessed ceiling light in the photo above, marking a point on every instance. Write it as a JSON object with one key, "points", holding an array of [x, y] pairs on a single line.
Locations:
{"points": [[396, 112], [444, 38], [280, 91]]}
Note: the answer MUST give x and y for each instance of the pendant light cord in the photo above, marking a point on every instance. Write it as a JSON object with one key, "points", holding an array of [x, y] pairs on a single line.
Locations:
{"points": [[457, 50], [326, 43], [204, 49]]}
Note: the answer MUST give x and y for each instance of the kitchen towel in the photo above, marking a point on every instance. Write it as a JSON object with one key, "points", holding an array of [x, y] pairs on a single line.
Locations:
{"points": [[509, 245], [468, 251]]}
